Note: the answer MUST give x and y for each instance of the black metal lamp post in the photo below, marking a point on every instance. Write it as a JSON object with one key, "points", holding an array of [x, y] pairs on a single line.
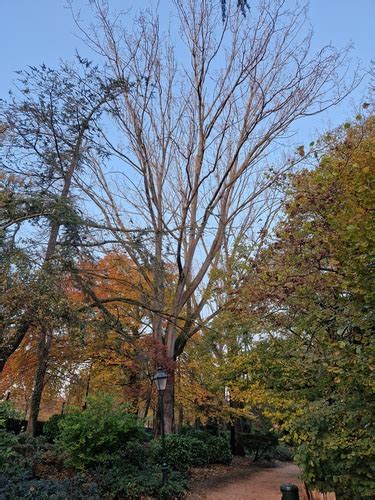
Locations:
{"points": [[289, 492], [160, 379]]}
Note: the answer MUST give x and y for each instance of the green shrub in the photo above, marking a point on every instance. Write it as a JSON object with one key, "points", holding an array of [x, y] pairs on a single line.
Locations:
{"points": [[7, 451], [284, 453], [19, 454], [7, 410], [51, 428], [260, 444], [200, 434], [124, 480], [177, 451], [77, 487], [127, 481], [129, 473], [134, 453], [219, 450], [98, 434], [18, 457], [175, 487], [199, 455], [183, 451]]}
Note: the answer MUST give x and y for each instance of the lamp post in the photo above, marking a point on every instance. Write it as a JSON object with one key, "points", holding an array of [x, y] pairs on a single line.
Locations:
{"points": [[160, 379]]}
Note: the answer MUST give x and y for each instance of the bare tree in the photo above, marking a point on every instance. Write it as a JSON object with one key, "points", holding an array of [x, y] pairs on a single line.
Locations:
{"points": [[196, 139]]}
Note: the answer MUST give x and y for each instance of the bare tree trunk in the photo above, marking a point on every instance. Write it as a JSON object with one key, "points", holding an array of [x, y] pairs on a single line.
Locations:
{"points": [[44, 347]]}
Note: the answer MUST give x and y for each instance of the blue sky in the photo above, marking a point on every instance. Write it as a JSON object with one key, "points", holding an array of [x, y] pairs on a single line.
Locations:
{"points": [[36, 31]]}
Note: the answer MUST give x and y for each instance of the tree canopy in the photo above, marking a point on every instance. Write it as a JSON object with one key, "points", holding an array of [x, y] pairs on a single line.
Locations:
{"points": [[309, 300], [153, 216]]}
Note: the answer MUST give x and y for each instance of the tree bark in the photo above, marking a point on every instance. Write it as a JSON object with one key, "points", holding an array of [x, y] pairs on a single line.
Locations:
{"points": [[235, 442], [235, 429], [169, 394], [44, 347]]}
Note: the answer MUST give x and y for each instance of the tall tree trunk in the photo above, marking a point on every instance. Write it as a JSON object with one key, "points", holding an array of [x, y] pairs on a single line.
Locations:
{"points": [[44, 347], [169, 403], [235, 430], [87, 389], [143, 411], [46, 335], [235, 439], [168, 406]]}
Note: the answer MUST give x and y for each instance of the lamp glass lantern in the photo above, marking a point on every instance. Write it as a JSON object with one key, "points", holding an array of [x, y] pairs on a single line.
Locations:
{"points": [[160, 379]]}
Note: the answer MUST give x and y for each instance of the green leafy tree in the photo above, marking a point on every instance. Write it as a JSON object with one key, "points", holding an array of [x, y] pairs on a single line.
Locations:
{"points": [[311, 298], [51, 130]]}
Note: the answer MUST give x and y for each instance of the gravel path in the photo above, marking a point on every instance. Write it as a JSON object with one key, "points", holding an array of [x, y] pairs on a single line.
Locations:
{"points": [[244, 481]]}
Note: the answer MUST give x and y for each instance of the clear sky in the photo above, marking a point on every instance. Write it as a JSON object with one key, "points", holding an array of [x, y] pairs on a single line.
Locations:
{"points": [[36, 31]]}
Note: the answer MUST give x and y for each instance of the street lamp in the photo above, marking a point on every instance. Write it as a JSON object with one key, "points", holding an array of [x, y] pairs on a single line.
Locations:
{"points": [[160, 379]]}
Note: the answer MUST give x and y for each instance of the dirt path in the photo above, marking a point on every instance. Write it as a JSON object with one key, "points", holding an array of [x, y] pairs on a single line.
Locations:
{"points": [[244, 481]]}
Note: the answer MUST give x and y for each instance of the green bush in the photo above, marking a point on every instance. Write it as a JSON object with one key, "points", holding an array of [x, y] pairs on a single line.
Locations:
{"points": [[134, 453], [98, 434], [51, 429], [200, 434], [219, 450], [128, 474], [124, 480], [127, 481], [260, 444], [199, 454], [175, 487], [77, 487], [19, 454], [177, 451], [183, 451], [7, 410], [284, 453], [7, 451], [335, 447]]}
